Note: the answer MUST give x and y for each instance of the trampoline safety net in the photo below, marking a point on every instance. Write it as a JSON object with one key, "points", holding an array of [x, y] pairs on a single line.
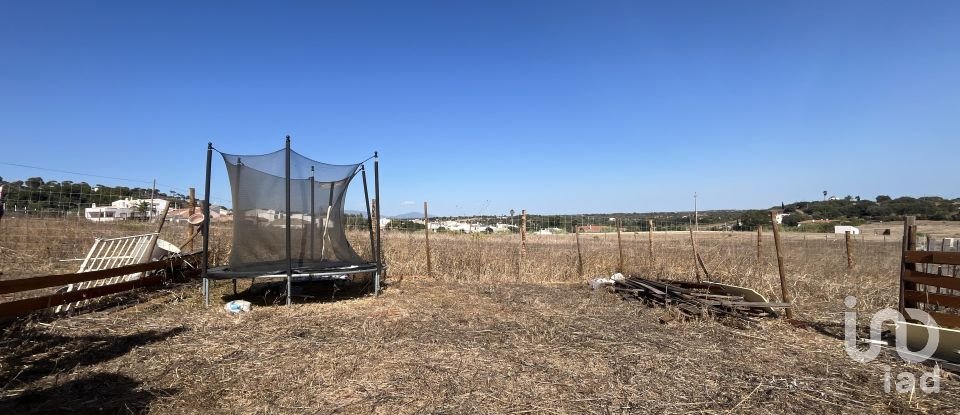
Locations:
{"points": [[317, 231]]}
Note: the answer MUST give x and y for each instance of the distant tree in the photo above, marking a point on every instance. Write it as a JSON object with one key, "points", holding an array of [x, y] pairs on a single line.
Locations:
{"points": [[857, 198], [142, 209], [794, 219], [824, 195], [34, 182], [848, 198], [883, 198]]}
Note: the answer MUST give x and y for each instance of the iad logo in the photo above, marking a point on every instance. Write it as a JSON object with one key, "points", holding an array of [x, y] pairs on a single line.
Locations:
{"points": [[905, 381]]}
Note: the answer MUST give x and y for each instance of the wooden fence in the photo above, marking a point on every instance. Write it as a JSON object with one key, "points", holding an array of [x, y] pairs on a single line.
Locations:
{"points": [[27, 305], [936, 293]]}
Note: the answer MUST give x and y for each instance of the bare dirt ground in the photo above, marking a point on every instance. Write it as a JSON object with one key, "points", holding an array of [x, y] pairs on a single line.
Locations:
{"points": [[438, 347]]}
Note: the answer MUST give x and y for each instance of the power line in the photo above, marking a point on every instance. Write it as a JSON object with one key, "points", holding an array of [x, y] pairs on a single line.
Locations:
{"points": [[73, 172], [151, 182]]}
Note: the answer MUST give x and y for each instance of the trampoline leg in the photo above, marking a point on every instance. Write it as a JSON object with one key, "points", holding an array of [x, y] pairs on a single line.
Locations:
{"points": [[206, 292], [234, 286], [289, 288]]}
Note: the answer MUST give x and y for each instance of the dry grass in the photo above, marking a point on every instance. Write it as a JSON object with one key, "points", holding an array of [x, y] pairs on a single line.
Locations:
{"points": [[437, 347], [816, 266], [486, 334]]}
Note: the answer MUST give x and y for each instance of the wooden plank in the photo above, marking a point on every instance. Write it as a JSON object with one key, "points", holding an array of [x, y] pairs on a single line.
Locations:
{"points": [[931, 257], [932, 298], [26, 306], [909, 244], [47, 281], [931, 279]]}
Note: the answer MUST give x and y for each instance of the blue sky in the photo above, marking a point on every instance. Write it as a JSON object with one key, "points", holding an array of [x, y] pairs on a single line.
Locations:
{"points": [[480, 107]]}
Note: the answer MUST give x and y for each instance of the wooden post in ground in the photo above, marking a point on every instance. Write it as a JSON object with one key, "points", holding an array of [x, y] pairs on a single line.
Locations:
{"points": [[909, 244], [426, 228], [579, 254], [479, 256], [523, 234], [696, 256], [759, 250], [190, 211], [650, 239], [619, 248], [849, 243], [784, 292]]}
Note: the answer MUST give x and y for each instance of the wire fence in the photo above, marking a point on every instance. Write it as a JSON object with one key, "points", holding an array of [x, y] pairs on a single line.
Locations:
{"points": [[47, 224]]}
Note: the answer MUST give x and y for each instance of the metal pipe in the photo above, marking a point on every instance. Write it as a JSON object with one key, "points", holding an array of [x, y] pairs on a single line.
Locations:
{"points": [[206, 228], [289, 253], [376, 193], [366, 197], [313, 222]]}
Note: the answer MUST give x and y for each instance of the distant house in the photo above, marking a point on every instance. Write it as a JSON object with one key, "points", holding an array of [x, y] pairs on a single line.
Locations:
{"points": [[591, 228], [844, 229], [125, 209], [549, 231]]}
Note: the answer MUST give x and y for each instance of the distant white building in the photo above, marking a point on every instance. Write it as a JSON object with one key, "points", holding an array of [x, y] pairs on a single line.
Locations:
{"points": [[125, 209], [844, 229]]}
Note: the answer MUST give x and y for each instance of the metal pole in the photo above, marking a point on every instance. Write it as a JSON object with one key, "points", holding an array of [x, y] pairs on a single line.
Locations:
{"points": [[289, 252], [206, 228], [376, 193], [366, 197], [313, 222]]}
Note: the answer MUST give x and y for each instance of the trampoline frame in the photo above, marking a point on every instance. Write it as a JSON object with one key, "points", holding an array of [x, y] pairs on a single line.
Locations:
{"points": [[376, 267]]}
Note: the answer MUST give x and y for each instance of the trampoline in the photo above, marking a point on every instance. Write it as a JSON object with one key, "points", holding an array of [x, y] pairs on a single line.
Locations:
{"points": [[289, 221]]}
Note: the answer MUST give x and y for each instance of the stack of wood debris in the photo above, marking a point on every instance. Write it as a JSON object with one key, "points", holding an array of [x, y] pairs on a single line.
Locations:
{"points": [[694, 300]]}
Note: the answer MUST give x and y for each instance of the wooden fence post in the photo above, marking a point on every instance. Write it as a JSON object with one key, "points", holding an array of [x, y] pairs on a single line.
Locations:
{"points": [[909, 244], [759, 250], [650, 239], [523, 234], [696, 256], [190, 211], [479, 257], [784, 292], [426, 224], [579, 254], [619, 247], [849, 243]]}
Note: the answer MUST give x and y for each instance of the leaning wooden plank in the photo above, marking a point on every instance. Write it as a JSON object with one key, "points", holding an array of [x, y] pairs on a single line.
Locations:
{"points": [[931, 257], [26, 306], [931, 298], [746, 293], [755, 304], [931, 279], [34, 283]]}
